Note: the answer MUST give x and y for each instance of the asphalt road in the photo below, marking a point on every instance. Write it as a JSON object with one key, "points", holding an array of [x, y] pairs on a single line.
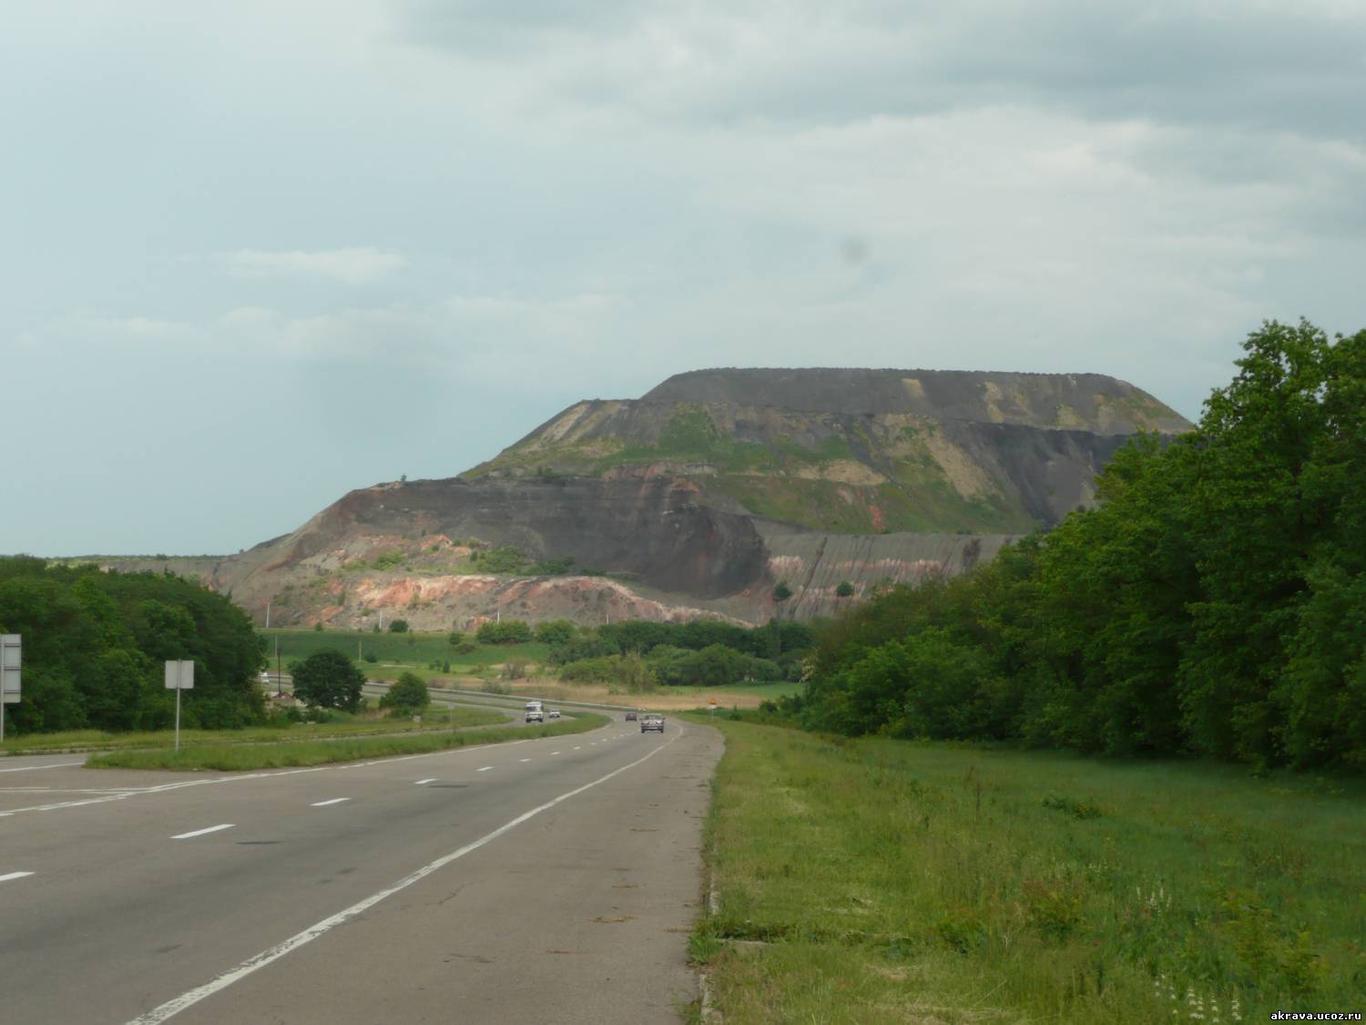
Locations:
{"points": [[550, 880]]}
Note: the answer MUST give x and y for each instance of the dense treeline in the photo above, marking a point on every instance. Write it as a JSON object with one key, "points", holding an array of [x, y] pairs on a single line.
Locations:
{"points": [[95, 644], [1213, 603], [707, 652]]}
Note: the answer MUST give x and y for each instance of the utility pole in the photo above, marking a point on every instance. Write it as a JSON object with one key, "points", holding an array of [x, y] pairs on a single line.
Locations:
{"points": [[268, 604], [279, 676]]}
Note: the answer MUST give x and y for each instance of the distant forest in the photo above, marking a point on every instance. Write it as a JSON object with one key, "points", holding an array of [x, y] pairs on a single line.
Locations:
{"points": [[1214, 603], [95, 644]]}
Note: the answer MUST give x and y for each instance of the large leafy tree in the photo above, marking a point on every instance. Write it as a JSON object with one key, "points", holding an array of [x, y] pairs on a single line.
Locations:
{"points": [[328, 679]]}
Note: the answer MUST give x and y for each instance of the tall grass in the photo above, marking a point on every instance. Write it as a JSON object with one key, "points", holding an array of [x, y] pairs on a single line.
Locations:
{"points": [[888, 881], [242, 757]]}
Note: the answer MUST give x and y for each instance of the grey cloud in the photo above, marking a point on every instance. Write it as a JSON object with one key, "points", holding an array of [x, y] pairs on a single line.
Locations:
{"points": [[1296, 68]]}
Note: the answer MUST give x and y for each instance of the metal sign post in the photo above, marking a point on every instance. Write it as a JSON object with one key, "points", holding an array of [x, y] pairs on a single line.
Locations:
{"points": [[179, 676], [11, 655]]}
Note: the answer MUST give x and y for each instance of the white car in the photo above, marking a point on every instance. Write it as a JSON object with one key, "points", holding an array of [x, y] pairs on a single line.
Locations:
{"points": [[554, 713]]}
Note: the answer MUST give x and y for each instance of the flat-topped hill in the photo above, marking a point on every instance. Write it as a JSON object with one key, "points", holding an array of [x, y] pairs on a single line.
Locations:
{"points": [[699, 497], [1091, 402]]}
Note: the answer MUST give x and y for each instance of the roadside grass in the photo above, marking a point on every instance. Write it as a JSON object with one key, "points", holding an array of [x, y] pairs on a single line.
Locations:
{"points": [[97, 740], [244, 757], [877, 881]]}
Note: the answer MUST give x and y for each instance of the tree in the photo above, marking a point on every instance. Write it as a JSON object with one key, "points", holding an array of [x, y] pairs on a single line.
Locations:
{"points": [[408, 696], [509, 631], [555, 631], [455, 637], [782, 592], [398, 626], [328, 679], [844, 590]]}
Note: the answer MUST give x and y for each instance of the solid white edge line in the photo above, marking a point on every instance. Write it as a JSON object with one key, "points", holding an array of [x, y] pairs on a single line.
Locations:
{"points": [[13, 875], [423, 782], [177, 1004], [35, 768], [486, 768], [324, 804], [201, 832]]}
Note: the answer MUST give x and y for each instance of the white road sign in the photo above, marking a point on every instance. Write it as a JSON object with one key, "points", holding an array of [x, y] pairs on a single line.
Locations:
{"points": [[11, 655], [180, 674]]}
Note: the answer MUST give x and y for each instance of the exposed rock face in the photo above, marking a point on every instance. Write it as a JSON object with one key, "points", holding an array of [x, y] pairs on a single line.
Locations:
{"points": [[699, 497]]}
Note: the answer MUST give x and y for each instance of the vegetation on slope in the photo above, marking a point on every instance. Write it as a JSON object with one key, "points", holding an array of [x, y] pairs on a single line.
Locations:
{"points": [[1215, 603]]}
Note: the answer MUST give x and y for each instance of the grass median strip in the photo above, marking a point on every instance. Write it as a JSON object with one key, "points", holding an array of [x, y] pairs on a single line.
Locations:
{"points": [[290, 754], [96, 740], [876, 881]]}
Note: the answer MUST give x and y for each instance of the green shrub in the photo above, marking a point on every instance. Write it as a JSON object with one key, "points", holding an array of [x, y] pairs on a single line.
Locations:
{"points": [[508, 631], [408, 696]]}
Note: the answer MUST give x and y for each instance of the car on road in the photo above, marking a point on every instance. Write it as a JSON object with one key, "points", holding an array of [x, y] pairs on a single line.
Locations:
{"points": [[535, 712], [554, 713], [652, 722], [630, 716]]}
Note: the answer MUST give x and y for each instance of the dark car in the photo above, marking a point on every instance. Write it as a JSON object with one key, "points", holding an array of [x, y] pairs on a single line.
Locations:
{"points": [[630, 716]]}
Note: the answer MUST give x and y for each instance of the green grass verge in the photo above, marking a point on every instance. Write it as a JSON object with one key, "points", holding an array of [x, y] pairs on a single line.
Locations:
{"points": [[406, 650], [96, 740], [888, 881], [242, 757]]}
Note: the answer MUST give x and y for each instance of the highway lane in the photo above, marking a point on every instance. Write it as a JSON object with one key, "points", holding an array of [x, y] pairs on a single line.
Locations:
{"points": [[577, 913]]}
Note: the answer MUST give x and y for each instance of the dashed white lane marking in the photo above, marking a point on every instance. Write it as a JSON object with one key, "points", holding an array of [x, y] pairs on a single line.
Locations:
{"points": [[13, 875], [486, 768], [524, 759], [201, 832], [335, 800], [424, 782], [578, 749], [35, 768], [554, 752], [177, 1004], [166, 787]]}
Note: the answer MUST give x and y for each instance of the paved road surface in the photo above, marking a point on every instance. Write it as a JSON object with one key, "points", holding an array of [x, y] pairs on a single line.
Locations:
{"points": [[548, 880]]}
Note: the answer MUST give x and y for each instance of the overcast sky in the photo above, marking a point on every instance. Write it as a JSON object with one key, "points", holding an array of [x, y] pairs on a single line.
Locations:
{"points": [[259, 253]]}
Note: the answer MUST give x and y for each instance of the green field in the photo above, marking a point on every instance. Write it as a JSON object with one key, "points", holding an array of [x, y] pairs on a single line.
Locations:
{"points": [[97, 740], [244, 757], [405, 650], [878, 881]]}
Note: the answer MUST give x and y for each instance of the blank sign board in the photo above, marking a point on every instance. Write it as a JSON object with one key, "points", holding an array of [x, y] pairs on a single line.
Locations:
{"points": [[180, 675], [11, 654]]}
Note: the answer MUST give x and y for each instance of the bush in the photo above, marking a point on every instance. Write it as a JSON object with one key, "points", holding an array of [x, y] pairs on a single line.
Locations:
{"points": [[629, 672], [509, 631], [504, 559], [515, 669], [398, 626], [408, 696], [466, 648], [371, 657], [555, 632], [455, 638], [844, 590]]}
